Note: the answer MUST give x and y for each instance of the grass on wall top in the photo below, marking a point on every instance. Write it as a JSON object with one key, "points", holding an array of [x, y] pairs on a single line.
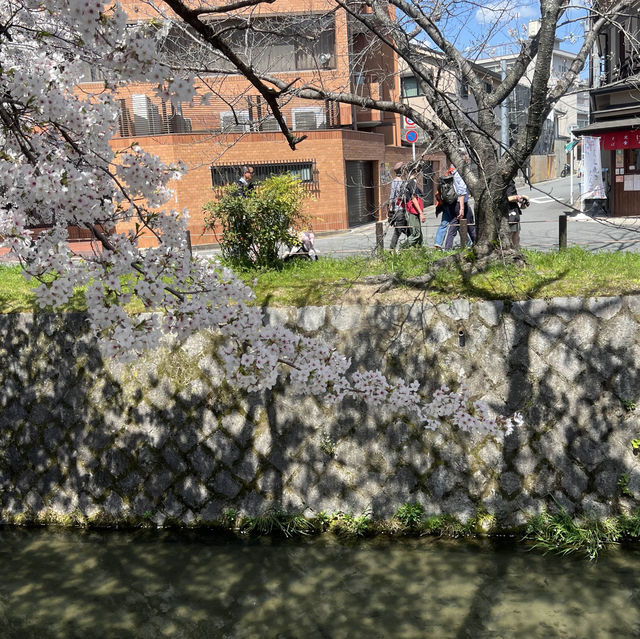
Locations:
{"points": [[573, 272]]}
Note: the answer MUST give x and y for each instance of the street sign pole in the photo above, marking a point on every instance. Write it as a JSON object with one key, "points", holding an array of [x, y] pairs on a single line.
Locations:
{"points": [[411, 136], [571, 169]]}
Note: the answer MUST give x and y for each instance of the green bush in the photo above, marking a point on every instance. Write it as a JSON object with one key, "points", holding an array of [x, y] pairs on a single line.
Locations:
{"points": [[410, 515], [256, 225]]}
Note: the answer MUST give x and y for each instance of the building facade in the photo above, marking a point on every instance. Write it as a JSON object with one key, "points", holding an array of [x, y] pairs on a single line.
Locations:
{"points": [[615, 111], [457, 91], [568, 114], [344, 161]]}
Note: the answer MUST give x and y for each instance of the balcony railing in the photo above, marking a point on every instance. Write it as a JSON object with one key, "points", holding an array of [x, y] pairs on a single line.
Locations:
{"points": [[142, 115]]}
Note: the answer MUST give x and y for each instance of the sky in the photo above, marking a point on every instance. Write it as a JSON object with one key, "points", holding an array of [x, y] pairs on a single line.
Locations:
{"points": [[504, 22]]}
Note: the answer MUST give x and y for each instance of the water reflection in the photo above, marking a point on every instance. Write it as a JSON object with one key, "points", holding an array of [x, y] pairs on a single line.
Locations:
{"points": [[68, 584]]}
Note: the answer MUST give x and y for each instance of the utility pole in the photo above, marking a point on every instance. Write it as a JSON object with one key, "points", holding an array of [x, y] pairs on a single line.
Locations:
{"points": [[504, 126]]}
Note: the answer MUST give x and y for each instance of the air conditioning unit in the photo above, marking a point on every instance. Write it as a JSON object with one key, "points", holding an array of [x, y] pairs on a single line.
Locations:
{"points": [[269, 124], [307, 119], [146, 117], [234, 121]]}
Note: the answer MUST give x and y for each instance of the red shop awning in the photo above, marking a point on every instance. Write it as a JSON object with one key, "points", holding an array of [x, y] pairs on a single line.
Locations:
{"points": [[613, 140]]}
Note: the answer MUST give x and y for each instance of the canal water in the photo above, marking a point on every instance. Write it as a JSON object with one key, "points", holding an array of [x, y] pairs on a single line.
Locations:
{"points": [[93, 585]]}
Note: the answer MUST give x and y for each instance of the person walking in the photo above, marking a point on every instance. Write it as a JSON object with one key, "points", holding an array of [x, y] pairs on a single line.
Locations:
{"points": [[413, 206], [396, 212], [448, 215], [462, 209]]}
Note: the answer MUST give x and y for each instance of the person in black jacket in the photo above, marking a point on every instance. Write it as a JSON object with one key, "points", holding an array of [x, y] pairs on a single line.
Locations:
{"points": [[516, 204], [244, 184]]}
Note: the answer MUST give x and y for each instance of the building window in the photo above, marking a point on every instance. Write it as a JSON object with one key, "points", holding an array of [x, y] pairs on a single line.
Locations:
{"points": [[464, 89], [282, 43], [304, 170], [488, 87], [410, 87]]}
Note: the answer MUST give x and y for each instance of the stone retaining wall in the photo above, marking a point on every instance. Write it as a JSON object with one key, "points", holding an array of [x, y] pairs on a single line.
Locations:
{"points": [[166, 438]]}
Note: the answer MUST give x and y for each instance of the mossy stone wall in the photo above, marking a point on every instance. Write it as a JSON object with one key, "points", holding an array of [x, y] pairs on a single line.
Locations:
{"points": [[166, 439]]}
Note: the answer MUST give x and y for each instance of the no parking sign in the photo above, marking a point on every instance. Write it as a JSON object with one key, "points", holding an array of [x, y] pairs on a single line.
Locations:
{"points": [[411, 136]]}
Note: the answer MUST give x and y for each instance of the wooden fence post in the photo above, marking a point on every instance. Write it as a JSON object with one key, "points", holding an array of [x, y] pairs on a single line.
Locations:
{"points": [[562, 232]]}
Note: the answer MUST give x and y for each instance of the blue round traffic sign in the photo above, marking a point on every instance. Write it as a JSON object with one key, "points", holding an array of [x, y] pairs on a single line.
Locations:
{"points": [[411, 136]]}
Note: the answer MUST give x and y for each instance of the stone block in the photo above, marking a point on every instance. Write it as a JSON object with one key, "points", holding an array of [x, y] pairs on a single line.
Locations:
{"points": [[490, 312], [211, 511], [582, 331], [311, 318], [345, 318], [619, 334], [458, 309], [246, 466], [566, 307], [632, 302], [587, 452], [567, 362], [113, 505], [530, 311], [223, 449], [203, 463], [192, 492], [604, 307], [574, 482], [158, 483], [440, 482], [237, 426], [594, 507], [275, 316], [225, 484], [172, 506], [174, 460], [460, 506], [510, 484], [438, 333]]}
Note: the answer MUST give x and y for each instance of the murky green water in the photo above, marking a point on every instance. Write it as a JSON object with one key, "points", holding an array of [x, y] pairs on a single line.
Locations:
{"points": [[112, 584]]}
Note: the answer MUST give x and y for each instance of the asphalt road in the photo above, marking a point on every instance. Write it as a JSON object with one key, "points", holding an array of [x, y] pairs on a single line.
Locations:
{"points": [[540, 226]]}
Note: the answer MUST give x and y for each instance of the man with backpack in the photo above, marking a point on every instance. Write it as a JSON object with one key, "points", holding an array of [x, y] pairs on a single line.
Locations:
{"points": [[456, 208], [446, 198], [396, 214]]}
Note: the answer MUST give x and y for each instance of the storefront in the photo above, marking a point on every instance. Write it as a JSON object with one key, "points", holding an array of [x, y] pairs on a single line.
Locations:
{"points": [[620, 150], [623, 149]]}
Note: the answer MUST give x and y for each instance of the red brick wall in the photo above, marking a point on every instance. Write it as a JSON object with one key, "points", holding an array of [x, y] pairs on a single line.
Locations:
{"points": [[329, 149]]}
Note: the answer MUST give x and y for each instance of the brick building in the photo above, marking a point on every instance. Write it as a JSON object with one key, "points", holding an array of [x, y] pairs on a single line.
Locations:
{"points": [[345, 159]]}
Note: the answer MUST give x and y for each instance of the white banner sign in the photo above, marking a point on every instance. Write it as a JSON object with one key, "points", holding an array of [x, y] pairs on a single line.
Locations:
{"points": [[592, 184]]}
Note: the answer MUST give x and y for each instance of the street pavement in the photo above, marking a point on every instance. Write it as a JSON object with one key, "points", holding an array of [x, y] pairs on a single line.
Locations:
{"points": [[539, 225]]}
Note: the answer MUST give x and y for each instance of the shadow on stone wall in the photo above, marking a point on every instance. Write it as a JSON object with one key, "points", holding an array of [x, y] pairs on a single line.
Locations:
{"points": [[166, 438]]}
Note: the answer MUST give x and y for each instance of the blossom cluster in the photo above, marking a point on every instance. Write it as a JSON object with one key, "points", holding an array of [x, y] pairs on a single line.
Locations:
{"points": [[58, 169]]}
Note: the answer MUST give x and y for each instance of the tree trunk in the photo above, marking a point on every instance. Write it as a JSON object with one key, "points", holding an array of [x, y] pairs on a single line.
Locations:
{"points": [[492, 214]]}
